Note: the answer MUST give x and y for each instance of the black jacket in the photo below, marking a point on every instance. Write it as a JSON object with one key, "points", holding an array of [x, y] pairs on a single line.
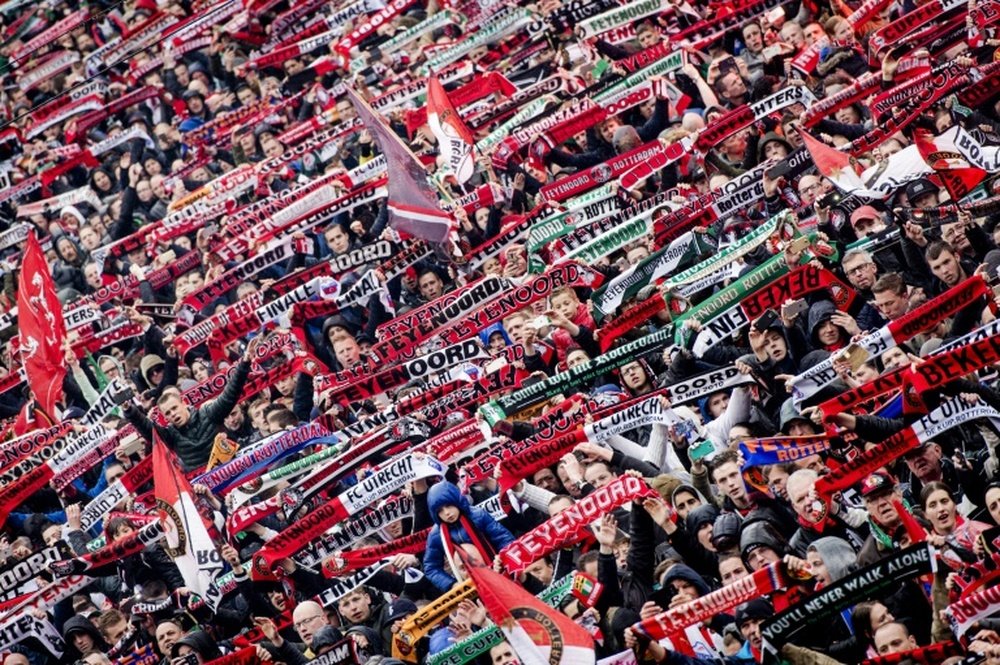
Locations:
{"points": [[193, 441]]}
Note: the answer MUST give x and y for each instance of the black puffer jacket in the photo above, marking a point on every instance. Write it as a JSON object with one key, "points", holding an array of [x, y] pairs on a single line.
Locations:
{"points": [[193, 441]]}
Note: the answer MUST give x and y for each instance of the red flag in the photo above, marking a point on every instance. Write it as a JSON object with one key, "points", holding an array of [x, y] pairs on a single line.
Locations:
{"points": [[957, 175], [838, 166], [454, 139], [413, 201], [187, 539], [539, 634], [41, 328]]}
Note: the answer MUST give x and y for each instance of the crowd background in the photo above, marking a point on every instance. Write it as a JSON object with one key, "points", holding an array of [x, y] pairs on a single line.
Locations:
{"points": [[239, 286]]}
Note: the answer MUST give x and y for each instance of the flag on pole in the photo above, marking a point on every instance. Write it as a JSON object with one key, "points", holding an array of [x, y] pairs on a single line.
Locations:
{"points": [[454, 139], [539, 634], [413, 200], [41, 328], [187, 540]]}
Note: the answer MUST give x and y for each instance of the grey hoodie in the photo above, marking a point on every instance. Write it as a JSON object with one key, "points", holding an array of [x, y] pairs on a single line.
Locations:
{"points": [[838, 556]]}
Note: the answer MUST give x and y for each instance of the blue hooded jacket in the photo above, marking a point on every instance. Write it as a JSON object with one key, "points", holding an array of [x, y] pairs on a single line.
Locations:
{"points": [[446, 494]]}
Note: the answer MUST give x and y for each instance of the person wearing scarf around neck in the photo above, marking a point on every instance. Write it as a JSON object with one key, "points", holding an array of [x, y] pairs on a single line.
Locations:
{"points": [[457, 522]]}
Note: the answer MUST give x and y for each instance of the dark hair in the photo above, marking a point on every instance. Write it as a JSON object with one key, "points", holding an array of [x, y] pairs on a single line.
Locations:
{"points": [[787, 467], [154, 589], [932, 487], [937, 248], [861, 619], [586, 558], [891, 282], [116, 523], [281, 416], [723, 458]]}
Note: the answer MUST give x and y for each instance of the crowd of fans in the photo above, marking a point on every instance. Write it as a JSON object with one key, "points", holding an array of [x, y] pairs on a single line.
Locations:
{"points": [[217, 152]]}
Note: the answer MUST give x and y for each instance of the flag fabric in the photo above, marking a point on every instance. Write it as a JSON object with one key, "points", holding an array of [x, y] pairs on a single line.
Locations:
{"points": [[187, 540], [41, 328], [940, 153], [838, 166], [413, 200], [539, 634], [454, 139]]}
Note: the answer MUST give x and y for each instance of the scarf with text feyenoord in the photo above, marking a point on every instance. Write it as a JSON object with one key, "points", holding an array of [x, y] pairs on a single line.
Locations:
{"points": [[672, 622], [15, 573], [573, 524], [403, 333], [345, 534]]}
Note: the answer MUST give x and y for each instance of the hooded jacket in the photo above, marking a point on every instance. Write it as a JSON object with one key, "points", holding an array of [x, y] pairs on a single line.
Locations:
{"points": [[198, 641], [685, 573], [820, 313], [837, 554], [446, 494], [81, 624]]}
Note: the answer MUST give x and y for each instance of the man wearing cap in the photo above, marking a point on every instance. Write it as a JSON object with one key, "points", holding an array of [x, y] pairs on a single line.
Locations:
{"points": [[928, 464], [866, 221], [922, 193], [878, 492], [395, 615], [749, 617], [195, 102]]}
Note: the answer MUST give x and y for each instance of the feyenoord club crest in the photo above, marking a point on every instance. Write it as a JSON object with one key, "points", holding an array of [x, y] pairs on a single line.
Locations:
{"points": [[176, 539], [541, 629], [602, 173]]}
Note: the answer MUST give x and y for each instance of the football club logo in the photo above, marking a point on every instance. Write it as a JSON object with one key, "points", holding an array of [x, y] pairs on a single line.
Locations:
{"points": [[541, 629]]}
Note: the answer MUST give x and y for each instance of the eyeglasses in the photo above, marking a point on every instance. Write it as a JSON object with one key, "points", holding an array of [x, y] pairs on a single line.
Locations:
{"points": [[857, 270], [303, 622]]}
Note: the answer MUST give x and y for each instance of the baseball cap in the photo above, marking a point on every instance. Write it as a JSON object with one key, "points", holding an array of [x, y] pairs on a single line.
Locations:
{"points": [[401, 607], [757, 608], [864, 212], [918, 188], [876, 482]]}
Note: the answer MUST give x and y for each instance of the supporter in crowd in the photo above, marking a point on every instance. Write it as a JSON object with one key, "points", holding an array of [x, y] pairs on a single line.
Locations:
{"points": [[351, 372]]}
